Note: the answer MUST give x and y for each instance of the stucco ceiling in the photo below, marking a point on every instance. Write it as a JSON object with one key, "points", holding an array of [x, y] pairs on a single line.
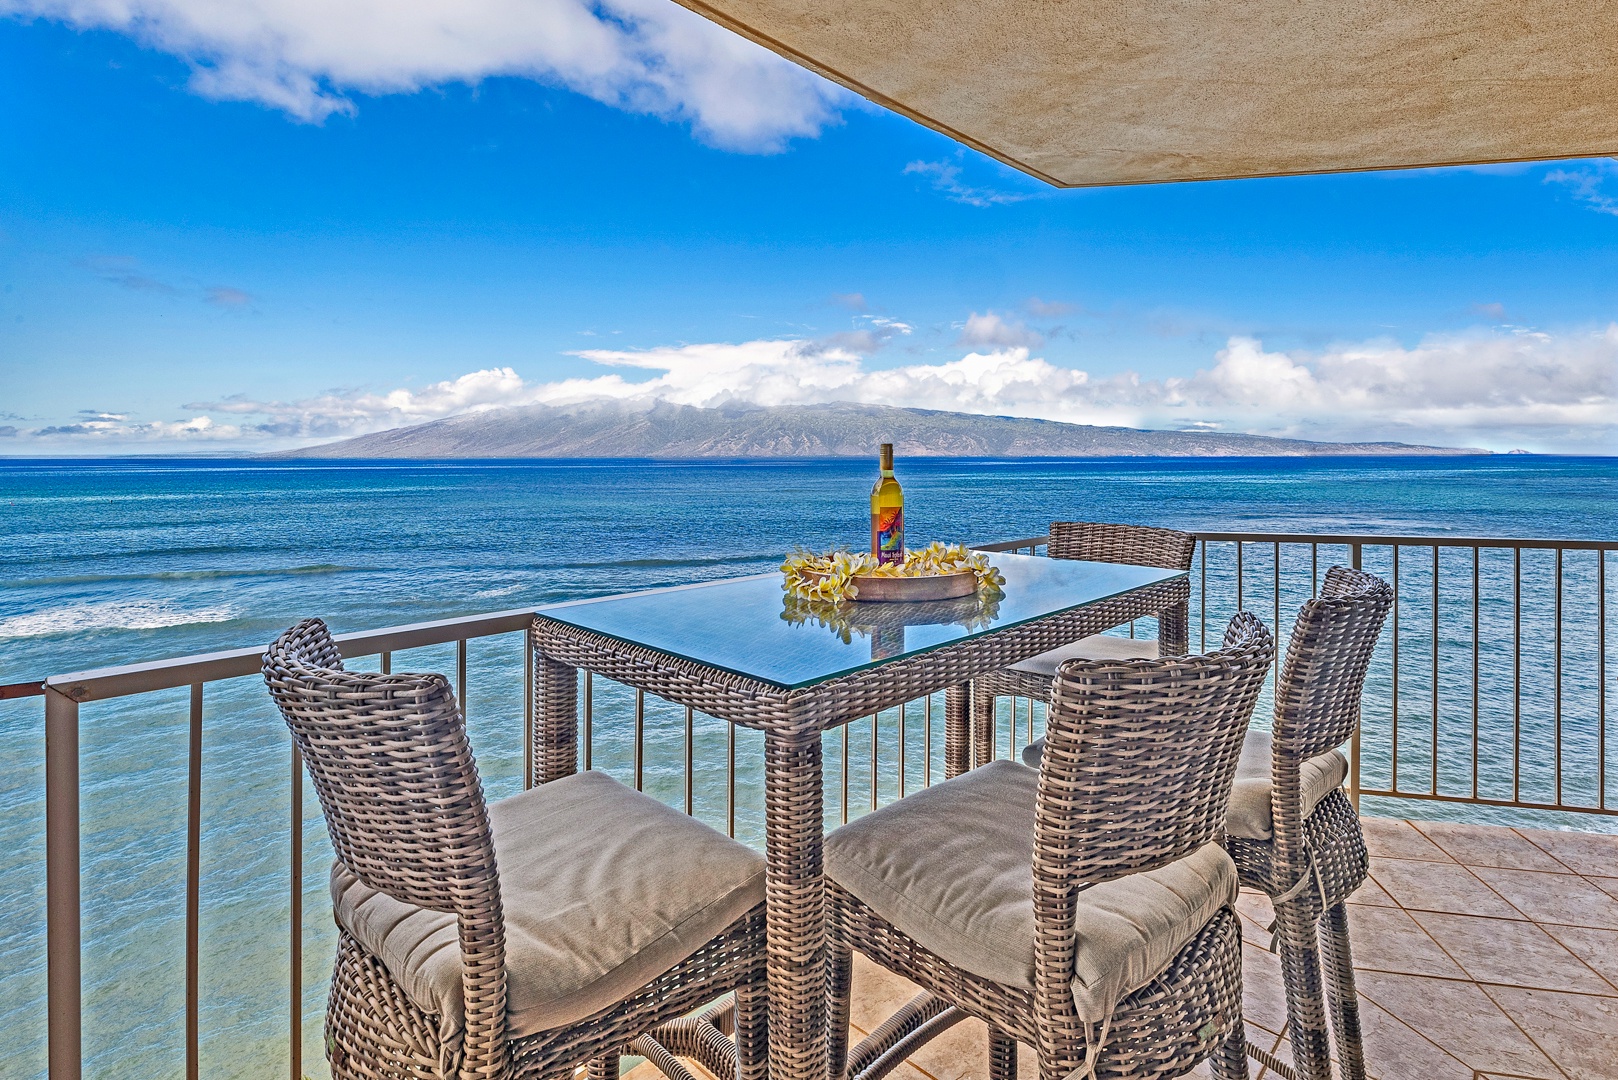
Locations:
{"points": [[1086, 92]]}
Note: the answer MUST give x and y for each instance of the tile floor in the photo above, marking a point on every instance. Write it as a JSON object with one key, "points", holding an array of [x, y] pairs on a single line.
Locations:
{"points": [[1484, 953]]}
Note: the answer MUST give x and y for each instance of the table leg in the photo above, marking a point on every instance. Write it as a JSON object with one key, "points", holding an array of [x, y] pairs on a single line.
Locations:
{"points": [[957, 729], [1174, 629], [556, 719], [795, 900], [983, 726]]}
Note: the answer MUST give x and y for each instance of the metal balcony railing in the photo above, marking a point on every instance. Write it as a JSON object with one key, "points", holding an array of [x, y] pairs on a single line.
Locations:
{"points": [[1489, 689]]}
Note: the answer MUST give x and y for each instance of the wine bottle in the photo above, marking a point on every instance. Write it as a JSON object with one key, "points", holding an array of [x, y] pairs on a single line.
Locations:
{"points": [[887, 513]]}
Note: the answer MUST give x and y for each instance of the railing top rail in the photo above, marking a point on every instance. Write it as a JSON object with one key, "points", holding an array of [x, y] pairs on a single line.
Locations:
{"points": [[111, 682], [1012, 545], [1375, 539], [1363, 539]]}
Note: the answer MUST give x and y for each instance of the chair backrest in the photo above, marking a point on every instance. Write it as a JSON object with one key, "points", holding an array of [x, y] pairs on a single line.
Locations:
{"points": [[1139, 760], [1140, 756], [1139, 545], [389, 759], [1317, 696]]}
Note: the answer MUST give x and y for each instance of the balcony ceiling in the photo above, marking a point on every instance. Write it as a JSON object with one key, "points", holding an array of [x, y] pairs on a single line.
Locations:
{"points": [[1090, 92]]}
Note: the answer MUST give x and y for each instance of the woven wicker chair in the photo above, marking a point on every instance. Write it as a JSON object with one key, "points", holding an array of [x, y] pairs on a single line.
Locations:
{"points": [[1083, 910], [1291, 829], [1137, 545], [495, 941]]}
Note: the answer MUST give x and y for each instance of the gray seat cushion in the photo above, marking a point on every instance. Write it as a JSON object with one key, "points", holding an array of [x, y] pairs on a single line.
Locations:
{"points": [[1249, 812], [603, 888], [1095, 647], [952, 867], [1248, 815]]}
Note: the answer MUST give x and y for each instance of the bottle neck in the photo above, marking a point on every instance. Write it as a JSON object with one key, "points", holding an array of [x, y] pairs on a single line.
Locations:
{"points": [[887, 473]]}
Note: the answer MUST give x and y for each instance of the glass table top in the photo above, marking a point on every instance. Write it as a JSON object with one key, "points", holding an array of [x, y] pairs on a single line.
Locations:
{"points": [[750, 627]]}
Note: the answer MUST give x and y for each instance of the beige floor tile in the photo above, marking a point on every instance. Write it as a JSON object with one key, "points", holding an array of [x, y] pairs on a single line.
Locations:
{"points": [[959, 1053], [1608, 885], [1487, 845], [1430, 886], [1458, 1018], [1395, 838], [1587, 853], [878, 992], [1372, 895], [1512, 953], [1553, 898], [1394, 1051], [1264, 995], [1598, 948], [1578, 1031], [1388, 939], [1257, 914]]}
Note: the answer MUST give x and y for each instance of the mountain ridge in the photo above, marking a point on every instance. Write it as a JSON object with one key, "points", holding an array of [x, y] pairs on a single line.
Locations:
{"points": [[839, 429]]}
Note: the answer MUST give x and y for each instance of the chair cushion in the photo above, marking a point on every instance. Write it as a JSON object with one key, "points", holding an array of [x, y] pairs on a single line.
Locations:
{"points": [[1249, 812], [1094, 647], [952, 867], [603, 890]]}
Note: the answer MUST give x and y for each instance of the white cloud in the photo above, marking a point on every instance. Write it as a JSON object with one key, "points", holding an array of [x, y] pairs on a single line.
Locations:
{"points": [[306, 56], [990, 329], [946, 178], [1588, 184], [99, 428], [1499, 389]]}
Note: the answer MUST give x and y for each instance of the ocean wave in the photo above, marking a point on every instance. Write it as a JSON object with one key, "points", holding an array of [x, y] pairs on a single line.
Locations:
{"points": [[665, 564], [109, 615], [175, 575], [485, 594]]}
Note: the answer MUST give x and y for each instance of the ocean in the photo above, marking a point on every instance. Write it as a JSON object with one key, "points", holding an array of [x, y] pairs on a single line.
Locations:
{"points": [[115, 561]]}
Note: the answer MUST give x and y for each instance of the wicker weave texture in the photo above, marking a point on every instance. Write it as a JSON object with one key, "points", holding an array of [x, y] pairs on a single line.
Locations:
{"points": [[1136, 545], [1139, 763], [1315, 863], [390, 762], [792, 721]]}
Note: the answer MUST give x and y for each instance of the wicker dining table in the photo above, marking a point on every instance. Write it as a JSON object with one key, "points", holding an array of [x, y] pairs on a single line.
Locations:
{"points": [[738, 650]]}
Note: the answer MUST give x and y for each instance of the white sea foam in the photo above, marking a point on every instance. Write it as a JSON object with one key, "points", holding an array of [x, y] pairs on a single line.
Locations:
{"points": [[486, 594], [108, 615]]}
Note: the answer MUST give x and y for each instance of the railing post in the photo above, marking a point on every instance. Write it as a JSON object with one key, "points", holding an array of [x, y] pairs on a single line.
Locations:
{"points": [[62, 884], [193, 885]]}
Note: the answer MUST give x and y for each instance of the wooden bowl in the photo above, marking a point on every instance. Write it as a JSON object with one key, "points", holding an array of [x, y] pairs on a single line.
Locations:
{"points": [[874, 589]]}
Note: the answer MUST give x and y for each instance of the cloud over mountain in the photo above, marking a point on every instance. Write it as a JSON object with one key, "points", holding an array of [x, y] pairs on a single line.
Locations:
{"points": [[1501, 389]]}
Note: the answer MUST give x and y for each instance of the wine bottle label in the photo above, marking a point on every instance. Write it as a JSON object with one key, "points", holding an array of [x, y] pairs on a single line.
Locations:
{"points": [[890, 535]]}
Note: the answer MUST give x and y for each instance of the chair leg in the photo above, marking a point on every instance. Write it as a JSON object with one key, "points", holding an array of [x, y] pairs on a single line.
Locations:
{"points": [[752, 1029], [1002, 1055], [602, 1068], [839, 995], [1229, 1060], [1306, 1005], [1341, 992]]}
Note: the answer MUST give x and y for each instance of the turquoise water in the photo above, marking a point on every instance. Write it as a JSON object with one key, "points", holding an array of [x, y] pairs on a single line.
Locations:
{"points": [[108, 562]]}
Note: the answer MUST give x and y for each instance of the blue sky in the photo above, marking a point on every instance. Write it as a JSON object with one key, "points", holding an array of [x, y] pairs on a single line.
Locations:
{"points": [[210, 243]]}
